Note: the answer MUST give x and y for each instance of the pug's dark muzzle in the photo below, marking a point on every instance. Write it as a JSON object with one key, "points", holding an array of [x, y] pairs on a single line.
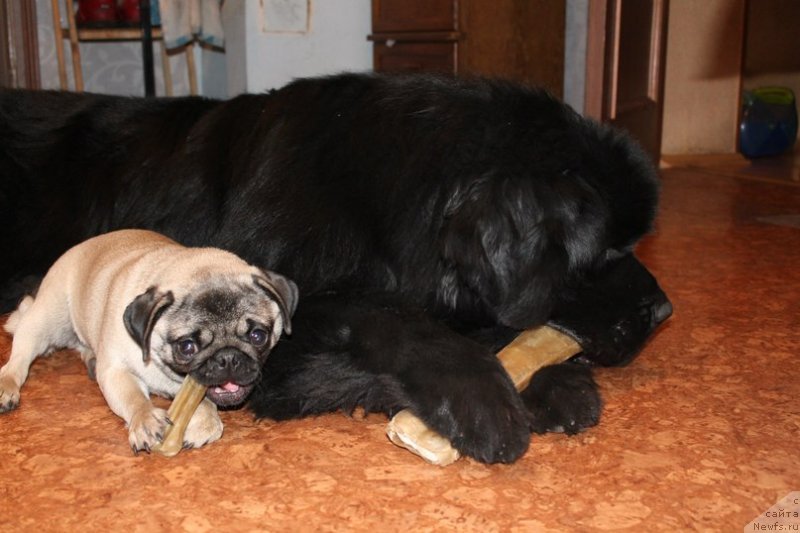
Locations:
{"points": [[230, 375]]}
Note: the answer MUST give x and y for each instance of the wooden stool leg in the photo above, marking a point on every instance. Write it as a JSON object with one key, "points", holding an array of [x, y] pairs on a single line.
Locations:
{"points": [[192, 71], [58, 36], [167, 68], [75, 47]]}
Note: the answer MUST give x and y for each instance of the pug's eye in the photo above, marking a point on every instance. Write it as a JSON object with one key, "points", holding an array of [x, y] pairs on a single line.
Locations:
{"points": [[258, 337], [187, 347]]}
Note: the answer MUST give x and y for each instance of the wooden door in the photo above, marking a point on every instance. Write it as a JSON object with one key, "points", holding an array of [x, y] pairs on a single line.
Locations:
{"points": [[626, 49], [415, 35], [521, 40]]}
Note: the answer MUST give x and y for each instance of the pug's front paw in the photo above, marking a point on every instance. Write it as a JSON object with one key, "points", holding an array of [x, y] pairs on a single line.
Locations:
{"points": [[204, 427], [146, 428], [9, 394]]}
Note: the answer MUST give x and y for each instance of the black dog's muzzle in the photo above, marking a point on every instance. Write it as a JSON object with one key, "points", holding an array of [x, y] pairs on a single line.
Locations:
{"points": [[614, 313]]}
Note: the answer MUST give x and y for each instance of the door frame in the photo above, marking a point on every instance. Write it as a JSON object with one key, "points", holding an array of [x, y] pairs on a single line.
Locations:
{"points": [[596, 36], [602, 38], [19, 47]]}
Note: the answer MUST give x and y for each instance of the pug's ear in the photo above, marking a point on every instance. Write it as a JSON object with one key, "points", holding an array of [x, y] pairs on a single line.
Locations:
{"points": [[283, 290], [142, 313]]}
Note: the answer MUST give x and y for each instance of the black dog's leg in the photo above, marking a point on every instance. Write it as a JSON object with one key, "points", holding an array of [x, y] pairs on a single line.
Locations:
{"points": [[344, 353], [300, 380], [561, 398]]}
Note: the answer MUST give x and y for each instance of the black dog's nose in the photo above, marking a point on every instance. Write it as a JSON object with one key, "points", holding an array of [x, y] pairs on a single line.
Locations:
{"points": [[662, 311]]}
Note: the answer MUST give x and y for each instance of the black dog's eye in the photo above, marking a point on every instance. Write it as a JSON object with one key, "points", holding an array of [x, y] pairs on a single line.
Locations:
{"points": [[187, 347], [258, 337]]}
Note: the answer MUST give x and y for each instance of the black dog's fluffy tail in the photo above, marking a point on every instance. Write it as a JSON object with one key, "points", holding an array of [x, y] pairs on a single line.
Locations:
{"points": [[13, 292]]}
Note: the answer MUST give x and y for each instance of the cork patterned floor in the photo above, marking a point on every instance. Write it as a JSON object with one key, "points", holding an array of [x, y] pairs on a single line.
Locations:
{"points": [[701, 432]]}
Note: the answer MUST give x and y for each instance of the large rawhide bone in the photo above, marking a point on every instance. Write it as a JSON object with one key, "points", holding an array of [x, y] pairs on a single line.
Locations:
{"points": [[521, 358], [180, 413]]}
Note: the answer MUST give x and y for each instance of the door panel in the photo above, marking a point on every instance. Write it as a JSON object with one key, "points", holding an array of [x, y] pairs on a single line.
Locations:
{"points": [[413, 15], [633, 62], [402, 56]]}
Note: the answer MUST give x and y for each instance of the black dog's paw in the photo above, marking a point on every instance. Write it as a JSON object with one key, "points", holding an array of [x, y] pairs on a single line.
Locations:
{"points": [[562, 398], [484, 419]]}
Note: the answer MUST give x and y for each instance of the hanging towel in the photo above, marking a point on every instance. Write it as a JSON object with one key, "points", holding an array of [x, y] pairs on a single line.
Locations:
{"points": [[183, 21]]}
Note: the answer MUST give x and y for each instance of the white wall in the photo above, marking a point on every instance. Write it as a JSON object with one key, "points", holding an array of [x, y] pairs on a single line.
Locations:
{"points": [[336, 41]]}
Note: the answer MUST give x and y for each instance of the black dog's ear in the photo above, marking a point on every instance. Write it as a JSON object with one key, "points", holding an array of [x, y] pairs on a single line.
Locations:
{"points": [[142, 313], [284, 291], [481, 246]]}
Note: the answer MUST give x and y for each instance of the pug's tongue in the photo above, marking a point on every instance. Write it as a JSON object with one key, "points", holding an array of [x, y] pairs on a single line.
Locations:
{"points": [[227, 387]]}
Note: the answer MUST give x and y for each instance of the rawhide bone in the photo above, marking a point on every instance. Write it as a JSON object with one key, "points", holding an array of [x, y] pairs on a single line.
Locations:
{"points": [[180, 412], [521, 358]]}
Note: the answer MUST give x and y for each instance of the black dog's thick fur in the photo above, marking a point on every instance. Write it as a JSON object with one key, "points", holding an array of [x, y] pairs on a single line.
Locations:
{"points": [[425, 220]]}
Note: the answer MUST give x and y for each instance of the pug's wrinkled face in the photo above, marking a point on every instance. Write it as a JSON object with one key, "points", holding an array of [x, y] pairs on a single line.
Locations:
{"points": [[221, 333]]}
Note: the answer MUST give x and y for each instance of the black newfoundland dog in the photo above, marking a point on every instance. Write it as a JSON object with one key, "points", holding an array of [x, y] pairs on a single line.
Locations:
{"points": [[426, 221]]}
